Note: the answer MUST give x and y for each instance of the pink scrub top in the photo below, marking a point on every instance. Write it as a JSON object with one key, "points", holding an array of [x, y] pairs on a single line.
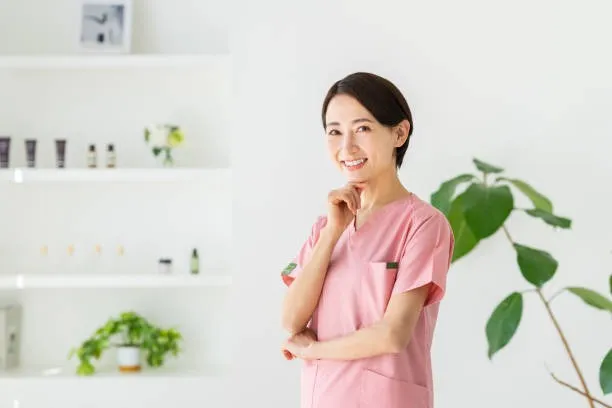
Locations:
{"points": [[406, 244]]}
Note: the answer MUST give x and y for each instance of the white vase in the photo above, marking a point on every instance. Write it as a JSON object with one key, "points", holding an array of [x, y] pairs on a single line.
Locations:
{"points": [[128, 358]]}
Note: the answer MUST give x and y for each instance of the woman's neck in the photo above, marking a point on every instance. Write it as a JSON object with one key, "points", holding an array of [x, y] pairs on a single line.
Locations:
{"points": [[382, 190]]}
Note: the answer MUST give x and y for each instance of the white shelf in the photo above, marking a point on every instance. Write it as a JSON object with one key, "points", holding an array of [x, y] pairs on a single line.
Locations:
{"points": [[69, 372], [40, 281], [111, 61], [26, 175]]}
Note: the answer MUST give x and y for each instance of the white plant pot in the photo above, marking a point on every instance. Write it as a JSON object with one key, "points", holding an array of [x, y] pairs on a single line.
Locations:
{"points": [[128, 359]]}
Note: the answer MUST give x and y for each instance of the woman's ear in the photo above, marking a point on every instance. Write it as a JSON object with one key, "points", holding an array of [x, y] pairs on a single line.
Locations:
{"points": [[401, 131]]}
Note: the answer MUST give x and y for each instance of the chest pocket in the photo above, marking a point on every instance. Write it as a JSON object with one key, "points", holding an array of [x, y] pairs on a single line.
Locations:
{"points": [[377, 284]]}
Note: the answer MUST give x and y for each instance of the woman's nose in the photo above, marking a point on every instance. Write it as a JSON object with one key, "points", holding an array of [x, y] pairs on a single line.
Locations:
{"points": [[348, 142]]}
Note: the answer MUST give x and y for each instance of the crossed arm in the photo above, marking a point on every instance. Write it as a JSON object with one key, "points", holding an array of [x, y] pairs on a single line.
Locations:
{"points": [[390, 335], [428, 257]]}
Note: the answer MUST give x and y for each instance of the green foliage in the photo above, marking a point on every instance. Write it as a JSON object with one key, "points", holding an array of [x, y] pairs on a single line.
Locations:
{"points": [[539, 201], [537, 266], [477, 209], [465, 240], [496, 202], [442, 198], [549, 218], [592, 298], [504, 322], [134, 331], [605, 373]]}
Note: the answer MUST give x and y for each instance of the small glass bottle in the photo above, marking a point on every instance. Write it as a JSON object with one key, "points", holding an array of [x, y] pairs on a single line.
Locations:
{"points": [[91, 156], [195, 262], [111, 156]]}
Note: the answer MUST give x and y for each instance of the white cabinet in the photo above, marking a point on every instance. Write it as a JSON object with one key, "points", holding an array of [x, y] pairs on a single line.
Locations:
{"points": [[79, 245]]}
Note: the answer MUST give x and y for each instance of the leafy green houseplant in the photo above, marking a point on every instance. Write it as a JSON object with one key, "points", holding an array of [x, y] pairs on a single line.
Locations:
{"points": [[136, 334], [478, 206], [163, 138]]}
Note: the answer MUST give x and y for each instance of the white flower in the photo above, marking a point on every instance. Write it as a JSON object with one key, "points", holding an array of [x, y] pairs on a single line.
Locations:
{"points": [[158, 135]]}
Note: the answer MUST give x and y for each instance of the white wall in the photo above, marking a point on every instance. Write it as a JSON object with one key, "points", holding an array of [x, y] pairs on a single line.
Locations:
{"points": [[525, 86], [159, 26]]}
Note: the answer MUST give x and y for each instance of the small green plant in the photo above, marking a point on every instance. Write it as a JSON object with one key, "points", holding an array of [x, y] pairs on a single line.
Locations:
{"points": [[163, 138], [477, 213], [132, 330]]}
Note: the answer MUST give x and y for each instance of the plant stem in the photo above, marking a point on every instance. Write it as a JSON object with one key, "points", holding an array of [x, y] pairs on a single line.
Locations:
{"points": [[567, 348], [575, 389], [557, 293], [585, 388], [507, 234]]}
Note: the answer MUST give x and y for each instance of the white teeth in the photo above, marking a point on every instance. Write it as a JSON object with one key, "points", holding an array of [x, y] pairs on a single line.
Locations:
{"points": [[353, 162]]}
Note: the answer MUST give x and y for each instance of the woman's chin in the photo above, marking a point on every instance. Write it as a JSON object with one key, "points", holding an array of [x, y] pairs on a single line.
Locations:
{"points": [[356, 177]]}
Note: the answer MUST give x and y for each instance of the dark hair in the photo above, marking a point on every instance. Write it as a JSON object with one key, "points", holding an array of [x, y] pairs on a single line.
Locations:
{"points": [[380, 97]]}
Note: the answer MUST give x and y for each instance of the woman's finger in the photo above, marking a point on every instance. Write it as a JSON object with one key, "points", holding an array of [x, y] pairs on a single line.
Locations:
{"points": [[346, 197], [357, 198]]}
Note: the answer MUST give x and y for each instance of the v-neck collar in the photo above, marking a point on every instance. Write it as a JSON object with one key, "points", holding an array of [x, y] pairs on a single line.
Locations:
{"points": [[377, 213]]}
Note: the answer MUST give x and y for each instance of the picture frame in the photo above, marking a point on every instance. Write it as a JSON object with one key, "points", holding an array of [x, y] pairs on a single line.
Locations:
{"points": [[106, 26]]}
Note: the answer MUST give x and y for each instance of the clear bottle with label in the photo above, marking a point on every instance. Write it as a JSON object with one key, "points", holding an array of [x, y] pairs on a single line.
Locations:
{"points": [[91, 156], [194, 264], [111, 156]]}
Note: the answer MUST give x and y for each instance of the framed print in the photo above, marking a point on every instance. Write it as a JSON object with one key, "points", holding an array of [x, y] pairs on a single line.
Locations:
{"points": [[106, 26]]}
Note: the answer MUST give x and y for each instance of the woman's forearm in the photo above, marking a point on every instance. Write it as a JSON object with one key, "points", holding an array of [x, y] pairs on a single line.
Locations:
{"points": [[367, 342], [303, 294]]}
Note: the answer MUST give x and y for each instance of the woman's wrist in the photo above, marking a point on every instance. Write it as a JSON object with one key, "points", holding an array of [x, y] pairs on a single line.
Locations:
{"points": [[330, 235]]}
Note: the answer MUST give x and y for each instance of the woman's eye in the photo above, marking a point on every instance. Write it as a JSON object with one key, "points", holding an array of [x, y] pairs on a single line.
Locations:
{"points": [[363, 129], [333, 132]]}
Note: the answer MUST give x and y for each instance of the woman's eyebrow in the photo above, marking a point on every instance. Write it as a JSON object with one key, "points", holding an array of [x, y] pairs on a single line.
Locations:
{"points": [[358, 120]]}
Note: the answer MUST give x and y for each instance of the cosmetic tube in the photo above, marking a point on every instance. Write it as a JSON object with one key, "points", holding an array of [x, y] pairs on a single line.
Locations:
{"points": [[5, 149], [60, 153], [30, 145]]}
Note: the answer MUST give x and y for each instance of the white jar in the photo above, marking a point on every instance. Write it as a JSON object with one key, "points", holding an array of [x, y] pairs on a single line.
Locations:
{"points": [[165, 266]]}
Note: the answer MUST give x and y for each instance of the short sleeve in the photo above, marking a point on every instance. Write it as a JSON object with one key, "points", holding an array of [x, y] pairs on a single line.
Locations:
{"points": [[296, 265], [426, 258]]}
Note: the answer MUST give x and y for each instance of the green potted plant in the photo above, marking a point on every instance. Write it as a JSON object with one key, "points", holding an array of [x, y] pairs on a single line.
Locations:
{"points": [[136, 336], [477, 207]]}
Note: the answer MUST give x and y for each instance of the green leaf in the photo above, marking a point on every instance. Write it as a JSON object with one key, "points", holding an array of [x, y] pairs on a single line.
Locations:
{"points": [[465, 240], [486, 167], [157, 151], [537, 266], [85, 368], [592, 298], [539, 200], [504, 322], [605, 374], [442, 198], [147, 135], [550, 218], [486, 208]]}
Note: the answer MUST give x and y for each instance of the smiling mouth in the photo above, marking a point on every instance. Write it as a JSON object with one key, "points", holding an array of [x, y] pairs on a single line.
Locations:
{"points": [[354, 164]]}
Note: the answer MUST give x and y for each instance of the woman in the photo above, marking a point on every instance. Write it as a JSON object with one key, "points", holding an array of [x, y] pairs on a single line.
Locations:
{"points": [[364, 290]]}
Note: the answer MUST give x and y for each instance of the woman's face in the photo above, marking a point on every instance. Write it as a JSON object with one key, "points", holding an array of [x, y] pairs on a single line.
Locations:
{"points": [[359, 145]]}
